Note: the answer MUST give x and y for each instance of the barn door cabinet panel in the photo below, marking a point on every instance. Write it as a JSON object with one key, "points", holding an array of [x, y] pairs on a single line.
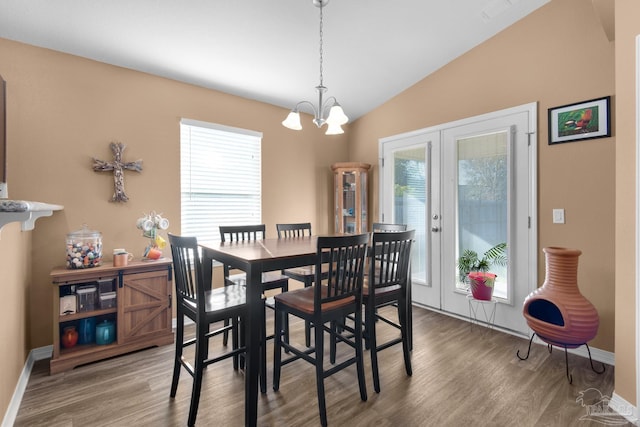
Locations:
{"points": [[113, 310]]}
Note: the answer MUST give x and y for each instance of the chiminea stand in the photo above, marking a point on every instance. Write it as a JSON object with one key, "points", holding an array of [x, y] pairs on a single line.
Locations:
{"points": [[557, 312], [566, 356]]}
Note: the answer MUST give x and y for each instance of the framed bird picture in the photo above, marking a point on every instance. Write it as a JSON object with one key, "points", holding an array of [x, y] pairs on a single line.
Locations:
{"points": [[577, 122]]}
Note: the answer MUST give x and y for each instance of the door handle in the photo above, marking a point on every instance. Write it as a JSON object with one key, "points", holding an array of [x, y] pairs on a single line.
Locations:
{"points": [[435, 229]]}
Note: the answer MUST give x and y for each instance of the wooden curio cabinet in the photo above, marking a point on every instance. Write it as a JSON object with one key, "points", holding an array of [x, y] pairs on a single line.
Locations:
{"points": [[135, 301], [350, 188]]}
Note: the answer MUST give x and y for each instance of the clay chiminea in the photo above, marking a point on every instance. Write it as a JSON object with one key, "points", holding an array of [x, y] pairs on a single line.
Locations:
{"points": [[557, 312]]}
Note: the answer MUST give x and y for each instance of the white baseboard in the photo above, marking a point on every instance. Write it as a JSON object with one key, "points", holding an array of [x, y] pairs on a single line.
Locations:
{"points": [[624, 408], [12, 410]]}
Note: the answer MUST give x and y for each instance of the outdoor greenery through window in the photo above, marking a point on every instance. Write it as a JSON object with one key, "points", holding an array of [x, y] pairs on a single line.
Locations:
{"points": [[482, 197], [410, 203], [220, 178]]}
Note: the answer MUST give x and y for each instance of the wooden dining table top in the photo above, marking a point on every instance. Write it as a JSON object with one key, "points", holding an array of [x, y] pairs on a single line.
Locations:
{"points": [[271, 254], [263, 249]]}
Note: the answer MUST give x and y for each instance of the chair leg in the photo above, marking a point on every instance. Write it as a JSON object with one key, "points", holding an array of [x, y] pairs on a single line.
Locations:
{"points": [[177, 365], [237, 339], [307, 324], [370, 327], [286, 318], [286, 327], [409, 315], [201, 345], [360, 355], [225, 334], [277, 348], [319, 356], [405, 328], [333, 341], [307, 333]]}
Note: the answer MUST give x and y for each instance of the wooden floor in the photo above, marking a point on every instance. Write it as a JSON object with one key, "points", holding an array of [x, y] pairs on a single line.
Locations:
{"points": [[461, 376]]}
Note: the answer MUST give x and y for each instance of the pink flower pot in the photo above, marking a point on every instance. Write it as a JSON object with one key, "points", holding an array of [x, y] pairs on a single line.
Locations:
{"points": [[482, 285]]}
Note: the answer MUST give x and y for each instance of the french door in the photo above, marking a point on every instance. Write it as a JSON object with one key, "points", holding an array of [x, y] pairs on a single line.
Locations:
{"points": [[469, 184]]}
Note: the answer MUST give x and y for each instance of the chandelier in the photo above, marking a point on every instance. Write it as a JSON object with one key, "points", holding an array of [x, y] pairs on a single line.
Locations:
{"points": [[336, 117]]}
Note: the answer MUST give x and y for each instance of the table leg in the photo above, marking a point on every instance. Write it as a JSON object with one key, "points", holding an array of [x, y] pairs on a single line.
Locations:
{"points": [[254, 300]]}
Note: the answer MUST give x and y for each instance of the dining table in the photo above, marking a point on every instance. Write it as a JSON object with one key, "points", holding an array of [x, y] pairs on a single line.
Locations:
{"points": [[255, 257]]}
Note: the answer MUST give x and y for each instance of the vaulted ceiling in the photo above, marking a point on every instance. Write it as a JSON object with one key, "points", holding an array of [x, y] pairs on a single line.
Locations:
{"points": [[269, 51]]}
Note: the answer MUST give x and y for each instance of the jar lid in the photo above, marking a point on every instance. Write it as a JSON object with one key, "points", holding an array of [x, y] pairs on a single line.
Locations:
{"points": [[84, 233]]}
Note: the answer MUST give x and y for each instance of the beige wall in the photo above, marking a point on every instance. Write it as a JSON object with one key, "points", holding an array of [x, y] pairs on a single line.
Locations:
{"points": [[627, 28], [531, 61], [15, 250], [63, 110]]}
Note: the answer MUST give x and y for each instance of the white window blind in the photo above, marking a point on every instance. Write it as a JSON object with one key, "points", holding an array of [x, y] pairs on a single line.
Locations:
{"points": [[220, 178]]}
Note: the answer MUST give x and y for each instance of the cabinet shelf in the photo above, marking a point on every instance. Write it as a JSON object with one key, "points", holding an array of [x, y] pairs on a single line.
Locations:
{"points": [[94, 313]]}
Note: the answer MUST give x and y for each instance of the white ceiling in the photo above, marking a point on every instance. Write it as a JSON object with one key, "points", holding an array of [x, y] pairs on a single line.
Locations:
{"points": [[269, 50]]}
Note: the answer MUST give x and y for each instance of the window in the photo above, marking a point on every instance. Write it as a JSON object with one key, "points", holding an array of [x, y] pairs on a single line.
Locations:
{"points": [[220, 178]]}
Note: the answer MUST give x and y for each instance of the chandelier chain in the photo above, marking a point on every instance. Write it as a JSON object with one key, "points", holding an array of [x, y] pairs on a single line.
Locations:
{"points": [[321, 52], [336, 117]]}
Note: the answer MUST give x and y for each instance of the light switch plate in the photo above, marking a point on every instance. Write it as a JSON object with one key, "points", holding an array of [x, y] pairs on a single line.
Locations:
{"points": [[558, 216]]}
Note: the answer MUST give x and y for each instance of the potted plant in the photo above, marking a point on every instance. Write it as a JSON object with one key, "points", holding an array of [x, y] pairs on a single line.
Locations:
{"points": [[474, 270]]}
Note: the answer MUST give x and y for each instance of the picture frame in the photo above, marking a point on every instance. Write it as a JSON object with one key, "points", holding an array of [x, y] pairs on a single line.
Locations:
{"points": [[580, 121]]}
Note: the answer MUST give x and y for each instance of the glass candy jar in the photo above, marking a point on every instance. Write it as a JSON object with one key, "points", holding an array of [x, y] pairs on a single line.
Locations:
{"points": [[84, 248]]}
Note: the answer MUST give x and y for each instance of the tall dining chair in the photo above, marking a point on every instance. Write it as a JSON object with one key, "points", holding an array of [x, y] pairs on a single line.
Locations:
{"points": [[387, 284], [270, 280], [203, 307], [305, 274], [378, 227], [328, 301]]}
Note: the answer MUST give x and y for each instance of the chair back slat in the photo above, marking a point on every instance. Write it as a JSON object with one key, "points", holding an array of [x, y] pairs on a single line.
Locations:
{"points": [[187, 270], [238, 233], [294, 230], [381, 226], [389, 258], [345, 258]]}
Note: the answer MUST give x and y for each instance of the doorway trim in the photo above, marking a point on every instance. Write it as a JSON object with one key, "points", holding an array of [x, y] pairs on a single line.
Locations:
{"points": [[532, 133]]}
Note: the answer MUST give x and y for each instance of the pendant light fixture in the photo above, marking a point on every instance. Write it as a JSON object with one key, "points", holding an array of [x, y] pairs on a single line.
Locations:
{"points": [[336, 117]]}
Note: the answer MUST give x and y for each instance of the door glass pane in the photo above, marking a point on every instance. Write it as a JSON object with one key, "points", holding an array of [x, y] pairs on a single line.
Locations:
{"points": [[482, 199], [410, 199]]}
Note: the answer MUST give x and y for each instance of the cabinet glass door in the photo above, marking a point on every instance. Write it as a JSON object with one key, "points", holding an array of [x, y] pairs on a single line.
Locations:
{"points": [[350, 181]]}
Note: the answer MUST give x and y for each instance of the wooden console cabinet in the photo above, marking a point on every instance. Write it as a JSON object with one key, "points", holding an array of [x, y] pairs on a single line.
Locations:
{"points": [[141, 313]]}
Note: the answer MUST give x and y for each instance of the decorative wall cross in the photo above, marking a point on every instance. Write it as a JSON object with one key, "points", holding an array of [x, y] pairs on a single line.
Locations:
{"points": [[118, 167]]}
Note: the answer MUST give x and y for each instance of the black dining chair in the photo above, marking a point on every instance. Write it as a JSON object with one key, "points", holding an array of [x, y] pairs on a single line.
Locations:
{"points": [[204, 307], [387, 284], [329, 301], [271, 280], [305, 274]]}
